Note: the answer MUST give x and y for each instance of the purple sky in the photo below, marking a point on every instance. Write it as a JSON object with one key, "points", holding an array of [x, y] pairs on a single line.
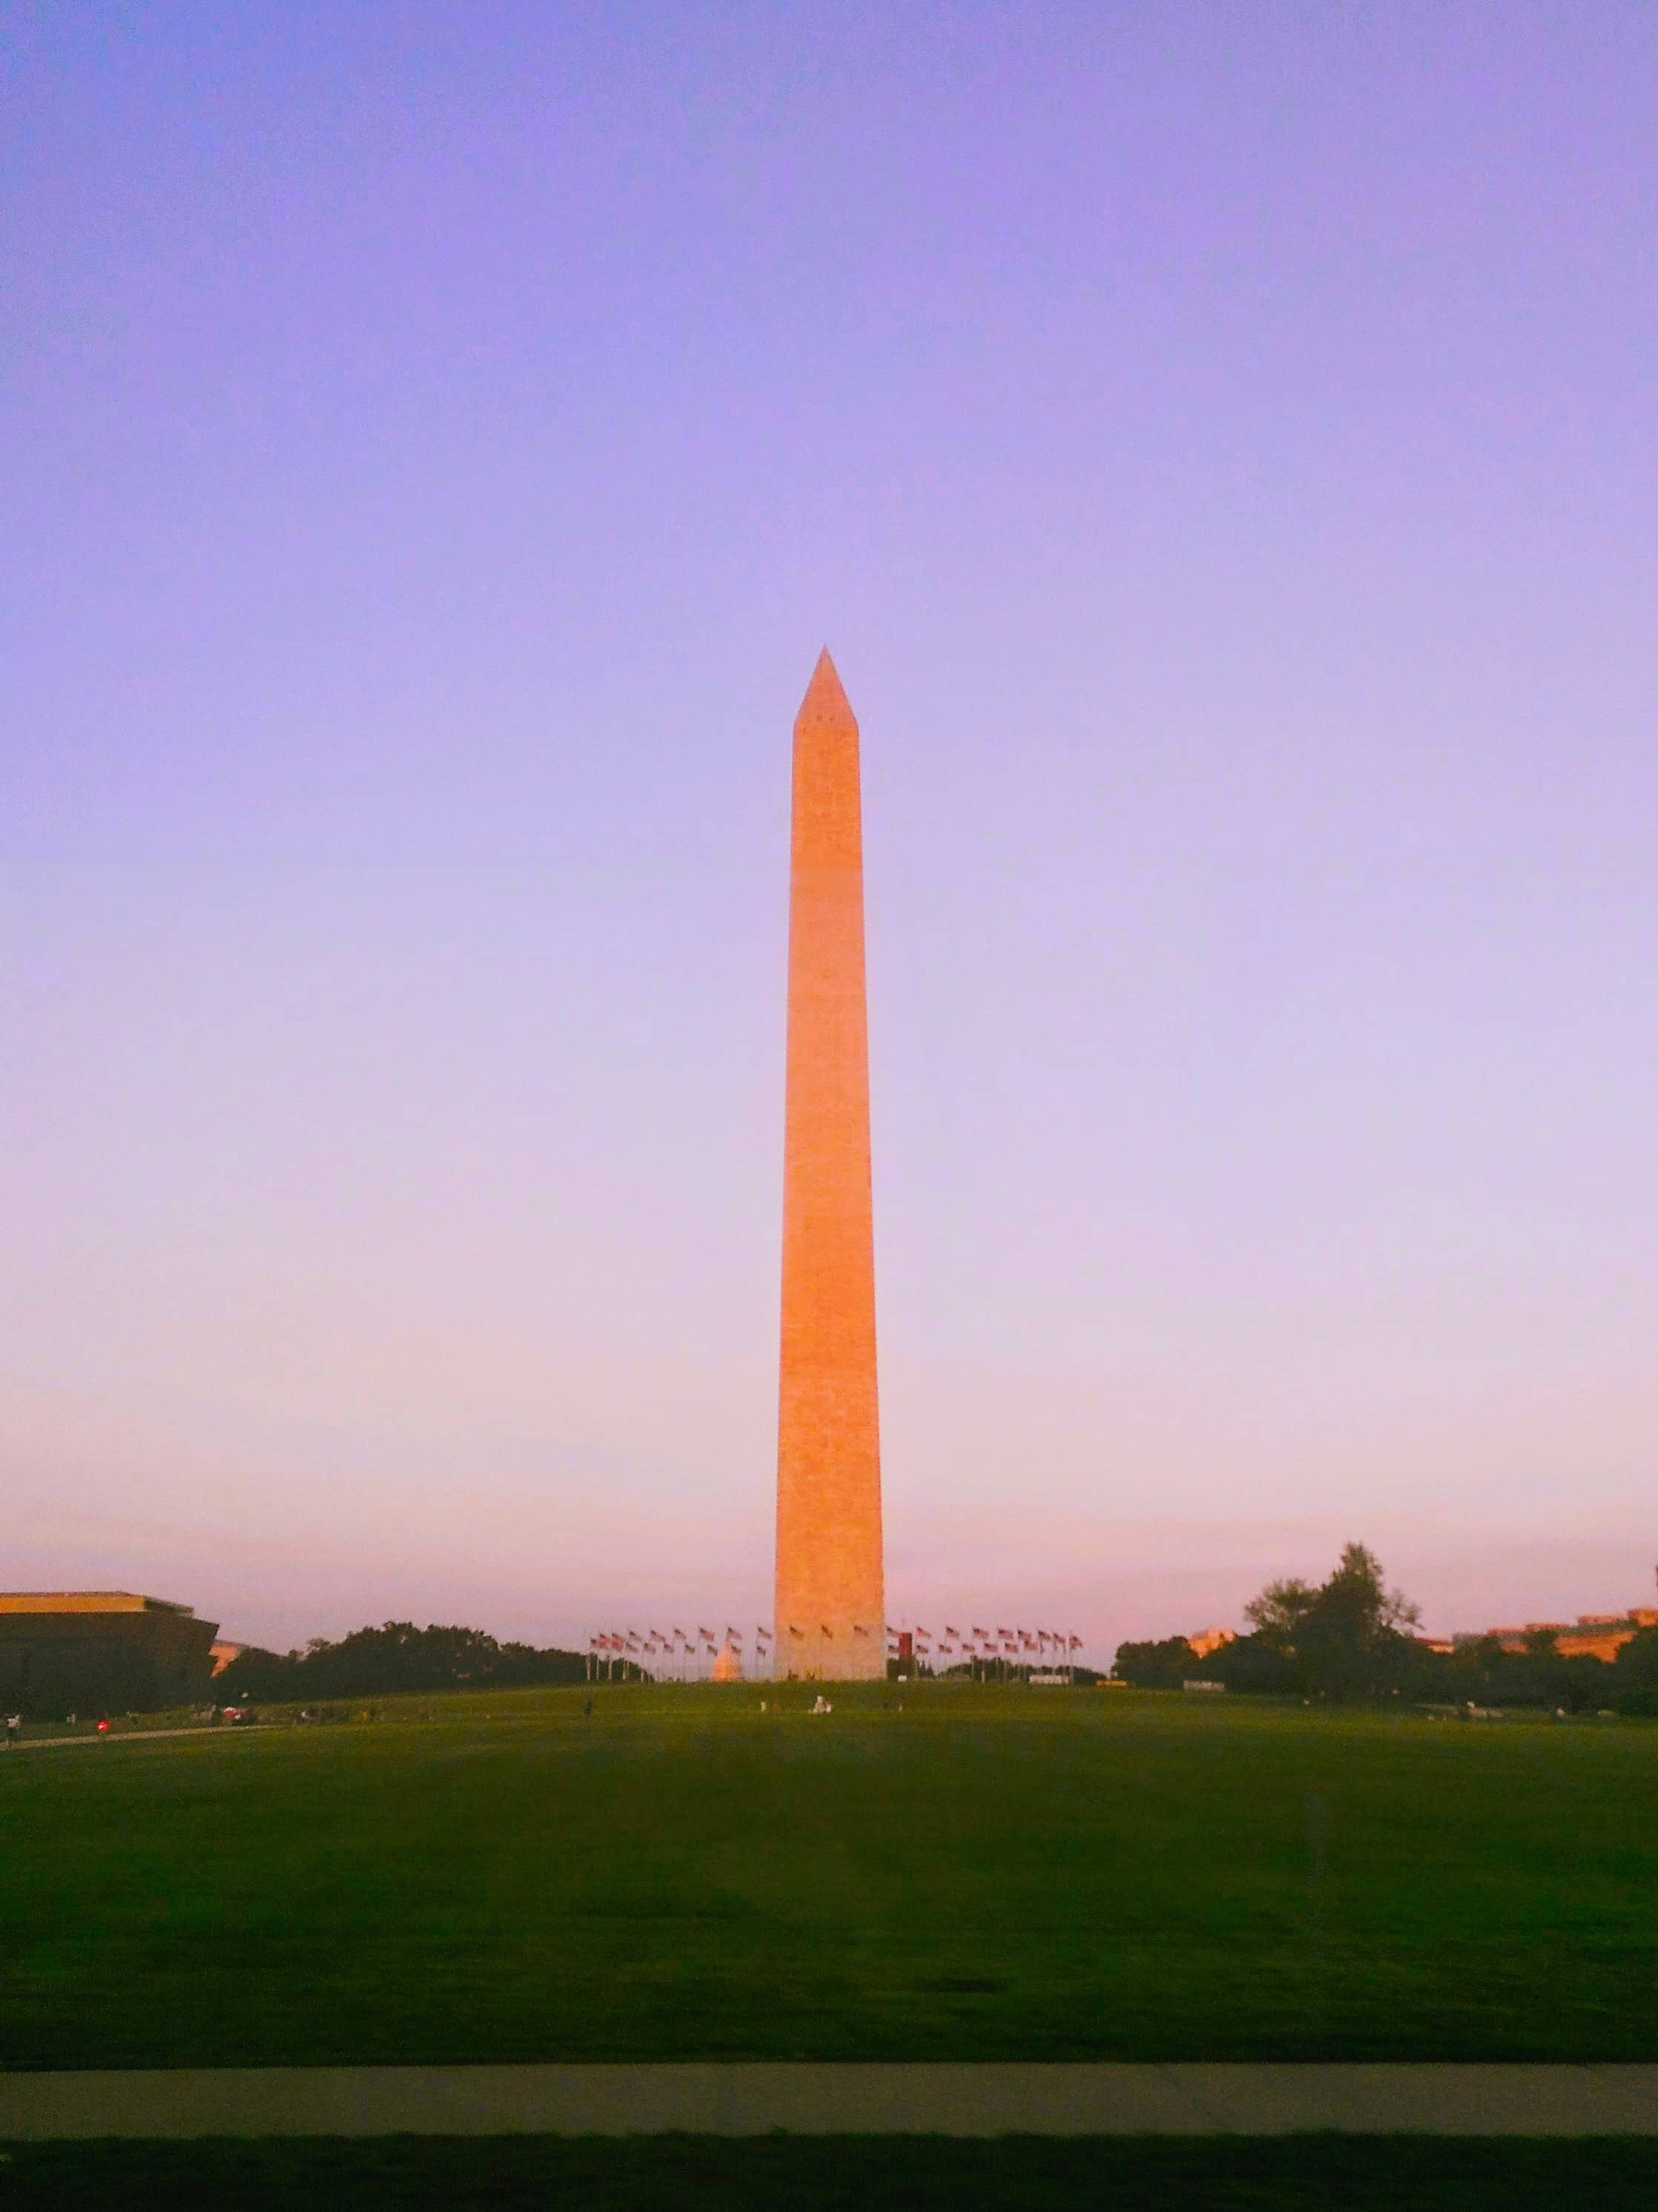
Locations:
{"points": [[1219, 447]]}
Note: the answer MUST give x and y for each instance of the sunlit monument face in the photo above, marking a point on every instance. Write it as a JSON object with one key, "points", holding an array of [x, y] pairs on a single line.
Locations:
{"points": [[830, 1601]]}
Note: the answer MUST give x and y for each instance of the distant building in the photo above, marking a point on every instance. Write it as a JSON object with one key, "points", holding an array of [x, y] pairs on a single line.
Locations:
{"points": [[93, 1652], [1591, 1636], [727, 1667], [221, 1652], [1206, 1640]]}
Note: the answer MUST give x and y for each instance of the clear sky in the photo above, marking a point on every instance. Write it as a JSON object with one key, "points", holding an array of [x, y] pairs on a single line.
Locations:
{"points": [[1219, 446]]}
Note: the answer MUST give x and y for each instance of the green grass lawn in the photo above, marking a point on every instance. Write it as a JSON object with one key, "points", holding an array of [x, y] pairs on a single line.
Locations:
{"points": [[985, 1874]]}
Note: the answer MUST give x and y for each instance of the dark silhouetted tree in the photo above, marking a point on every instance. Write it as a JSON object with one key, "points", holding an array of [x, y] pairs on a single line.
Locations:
{"points": [[1160, 1666], [1347, 1639], [396, 1655]]}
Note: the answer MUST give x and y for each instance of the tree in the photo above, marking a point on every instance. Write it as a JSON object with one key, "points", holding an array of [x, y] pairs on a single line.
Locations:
{"points": [[1159, 1666], [1253, 1667], [1635, 1673], [396, 1655], [1279, 1613], [1347, 1638]]}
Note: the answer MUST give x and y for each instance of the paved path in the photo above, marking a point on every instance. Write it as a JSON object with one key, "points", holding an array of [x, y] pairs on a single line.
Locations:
{"points": [[745, 2099], [123, 1735]]}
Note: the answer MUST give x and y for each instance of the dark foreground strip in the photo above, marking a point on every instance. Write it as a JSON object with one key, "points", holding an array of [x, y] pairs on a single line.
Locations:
{"points": [[678, 2174], [756, 2100]]}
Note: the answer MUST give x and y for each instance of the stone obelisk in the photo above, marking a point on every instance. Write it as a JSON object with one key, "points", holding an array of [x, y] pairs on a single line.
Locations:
{"points": [[830, 1601]]}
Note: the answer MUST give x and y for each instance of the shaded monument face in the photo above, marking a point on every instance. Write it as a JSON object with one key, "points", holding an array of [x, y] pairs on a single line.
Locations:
{"points": [[830, 1600]]}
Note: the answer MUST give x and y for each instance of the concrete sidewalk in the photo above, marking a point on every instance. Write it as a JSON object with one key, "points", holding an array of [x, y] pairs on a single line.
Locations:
{"points": [[129, 1736], [749, 2100]]}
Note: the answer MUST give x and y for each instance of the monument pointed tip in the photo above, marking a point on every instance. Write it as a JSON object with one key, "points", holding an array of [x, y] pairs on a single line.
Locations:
{"points": [[825, 692]]}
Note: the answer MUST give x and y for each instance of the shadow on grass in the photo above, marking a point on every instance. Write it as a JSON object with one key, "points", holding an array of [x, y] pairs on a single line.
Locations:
{"points": [[685, 2173]]}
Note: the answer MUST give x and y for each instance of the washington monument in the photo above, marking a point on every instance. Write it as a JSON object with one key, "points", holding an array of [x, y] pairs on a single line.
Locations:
{"points": [[830, 1600]]}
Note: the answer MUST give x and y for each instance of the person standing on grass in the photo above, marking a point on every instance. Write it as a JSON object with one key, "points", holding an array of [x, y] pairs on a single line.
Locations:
{"points": [[14, 1724]]}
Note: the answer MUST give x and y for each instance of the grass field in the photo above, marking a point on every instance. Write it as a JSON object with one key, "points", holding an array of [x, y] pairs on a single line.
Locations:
{"points": [[984, 1874]]}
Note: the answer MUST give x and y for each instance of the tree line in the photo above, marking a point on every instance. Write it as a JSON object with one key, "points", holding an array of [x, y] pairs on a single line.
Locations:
{"points": [[396, 1655], [1349, 1638]]}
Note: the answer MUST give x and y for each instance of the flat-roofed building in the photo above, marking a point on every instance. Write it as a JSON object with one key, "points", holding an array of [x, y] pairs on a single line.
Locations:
{"points": [[1203, 1641], [1591, 1636], [93, 1652]]}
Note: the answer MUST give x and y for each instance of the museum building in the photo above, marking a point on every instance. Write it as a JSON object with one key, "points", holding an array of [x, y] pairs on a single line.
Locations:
{"points": [[98, 1651]]}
